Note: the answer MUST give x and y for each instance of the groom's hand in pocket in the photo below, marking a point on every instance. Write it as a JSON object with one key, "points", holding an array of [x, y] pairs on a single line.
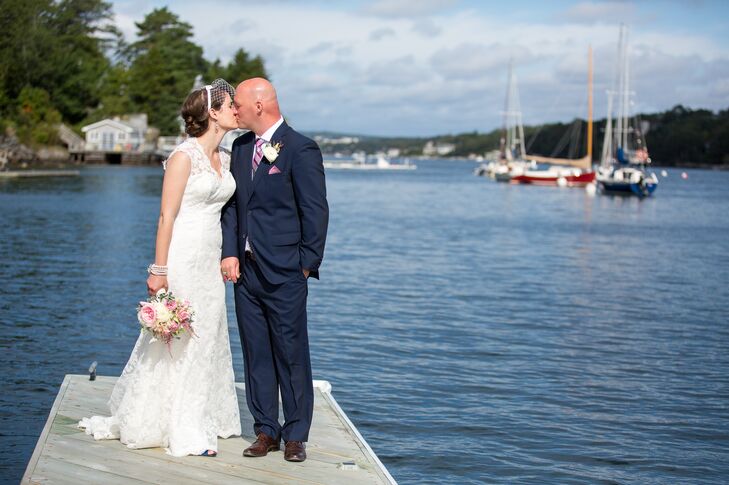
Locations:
{"points": [[230, 269]]}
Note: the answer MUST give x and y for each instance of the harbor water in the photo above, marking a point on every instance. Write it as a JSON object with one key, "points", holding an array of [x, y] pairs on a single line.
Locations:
{"points": [[474, 332]]}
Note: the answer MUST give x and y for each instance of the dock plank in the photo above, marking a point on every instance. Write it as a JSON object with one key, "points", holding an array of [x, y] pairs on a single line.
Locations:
{"points": [[66, 454]]}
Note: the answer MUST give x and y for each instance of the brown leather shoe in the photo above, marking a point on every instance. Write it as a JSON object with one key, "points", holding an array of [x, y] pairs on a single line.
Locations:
{"points": [[295, 451], [262, 446]]}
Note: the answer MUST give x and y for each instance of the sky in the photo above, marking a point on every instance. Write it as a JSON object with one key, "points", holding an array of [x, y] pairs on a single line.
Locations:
{"points": [[430, 67]]}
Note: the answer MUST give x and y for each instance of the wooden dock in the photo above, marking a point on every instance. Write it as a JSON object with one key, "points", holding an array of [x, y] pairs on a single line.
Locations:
{"points": [[65, 454]]}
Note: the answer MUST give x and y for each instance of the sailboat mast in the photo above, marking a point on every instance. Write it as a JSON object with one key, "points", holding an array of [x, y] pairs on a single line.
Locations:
{"points": [[626, 93], [620, 80], [522, 152], [508, 130], [512, 118], [589, 103], [607, 147]]}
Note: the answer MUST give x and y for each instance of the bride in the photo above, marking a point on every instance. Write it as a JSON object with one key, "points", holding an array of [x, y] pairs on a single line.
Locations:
{"points": [[185, 401]]}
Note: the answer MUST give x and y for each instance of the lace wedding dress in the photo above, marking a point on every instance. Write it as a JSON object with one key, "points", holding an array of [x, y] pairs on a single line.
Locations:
{"points": [[183, 402]]}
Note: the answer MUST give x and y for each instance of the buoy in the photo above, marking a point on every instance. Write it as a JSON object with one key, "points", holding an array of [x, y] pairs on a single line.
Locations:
{"points": [[664, 173], [591, 189], [684, 175], [562, 182]]}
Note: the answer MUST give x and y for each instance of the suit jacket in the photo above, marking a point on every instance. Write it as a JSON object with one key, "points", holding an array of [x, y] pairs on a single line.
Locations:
{"points": [[284, 214]]}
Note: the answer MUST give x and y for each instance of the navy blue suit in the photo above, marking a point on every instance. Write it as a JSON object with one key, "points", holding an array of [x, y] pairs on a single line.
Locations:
{"points": [[284, 215]]}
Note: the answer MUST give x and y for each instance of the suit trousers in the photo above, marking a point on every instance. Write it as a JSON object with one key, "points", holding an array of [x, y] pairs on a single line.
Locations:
{"points": [[275, 341]]}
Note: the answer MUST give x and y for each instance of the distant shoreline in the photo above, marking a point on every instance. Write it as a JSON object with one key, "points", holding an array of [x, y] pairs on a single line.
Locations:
{"points": [[68, 164], [64, 164]]}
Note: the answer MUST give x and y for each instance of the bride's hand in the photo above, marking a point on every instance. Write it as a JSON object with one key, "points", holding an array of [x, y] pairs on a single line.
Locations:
{"points": [[154, 283], [230, 269]]}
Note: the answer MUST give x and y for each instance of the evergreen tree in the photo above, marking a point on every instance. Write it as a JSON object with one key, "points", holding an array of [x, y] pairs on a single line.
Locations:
{"points": [[217, 70], [54, 47], [81, 30], [165, 63], [25, 38], [242, 67]]}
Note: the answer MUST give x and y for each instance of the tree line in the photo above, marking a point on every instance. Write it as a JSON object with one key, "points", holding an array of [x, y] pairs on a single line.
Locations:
{"points": [[678, 137], [66, 61]]}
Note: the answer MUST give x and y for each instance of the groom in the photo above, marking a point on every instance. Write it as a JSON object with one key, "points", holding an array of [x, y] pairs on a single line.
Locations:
{"points": [[274, 229]]}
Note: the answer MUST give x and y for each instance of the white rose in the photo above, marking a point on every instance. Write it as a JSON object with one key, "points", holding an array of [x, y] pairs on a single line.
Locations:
{"points": [[270, 152], [163, 314]]}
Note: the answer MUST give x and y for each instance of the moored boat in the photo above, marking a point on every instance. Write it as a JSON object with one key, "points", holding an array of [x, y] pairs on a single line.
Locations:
{"points": [[511, 151], [628, 181], [624, 160], [556, 175], [564, 172], [359, 162]]}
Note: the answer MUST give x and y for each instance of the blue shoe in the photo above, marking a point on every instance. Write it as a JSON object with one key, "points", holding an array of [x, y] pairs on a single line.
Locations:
{"points": [[209, 453]]}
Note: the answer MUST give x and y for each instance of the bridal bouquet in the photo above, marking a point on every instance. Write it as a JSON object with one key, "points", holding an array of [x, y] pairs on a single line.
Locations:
{"points": [[165, 316]]}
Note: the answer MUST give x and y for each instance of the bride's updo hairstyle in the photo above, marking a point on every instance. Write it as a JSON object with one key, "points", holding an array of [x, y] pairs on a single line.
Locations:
{"points": [[195, 109]]}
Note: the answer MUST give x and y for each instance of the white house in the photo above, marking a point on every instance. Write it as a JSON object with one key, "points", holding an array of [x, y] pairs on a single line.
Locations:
{"points": [[116, 135]]}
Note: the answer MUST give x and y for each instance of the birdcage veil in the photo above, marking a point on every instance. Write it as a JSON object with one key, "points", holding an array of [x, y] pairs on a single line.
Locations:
{"points": [[215, 93]]}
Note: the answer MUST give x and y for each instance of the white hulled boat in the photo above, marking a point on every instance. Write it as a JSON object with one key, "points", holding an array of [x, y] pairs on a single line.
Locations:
{"points": [[624, 154], [511, 150]]}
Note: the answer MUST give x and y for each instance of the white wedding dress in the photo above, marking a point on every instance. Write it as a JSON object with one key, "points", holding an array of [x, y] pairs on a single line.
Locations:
{"points": [[185, 401]]}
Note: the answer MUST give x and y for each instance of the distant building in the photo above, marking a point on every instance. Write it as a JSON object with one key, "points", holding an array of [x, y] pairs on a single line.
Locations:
{"points": [[342, 140], [433, 148], [117, 134]]}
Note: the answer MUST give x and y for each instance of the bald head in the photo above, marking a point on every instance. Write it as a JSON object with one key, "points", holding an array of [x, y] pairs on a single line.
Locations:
{"points": [[257, 105], [259, 88]]}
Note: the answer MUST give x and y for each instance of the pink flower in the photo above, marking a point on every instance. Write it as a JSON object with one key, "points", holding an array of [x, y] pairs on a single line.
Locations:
{"points": [[147, 314], [183, 315], [171, 305]]}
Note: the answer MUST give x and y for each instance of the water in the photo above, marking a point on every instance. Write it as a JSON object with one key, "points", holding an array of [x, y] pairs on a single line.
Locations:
{"points": [[474, 332]]}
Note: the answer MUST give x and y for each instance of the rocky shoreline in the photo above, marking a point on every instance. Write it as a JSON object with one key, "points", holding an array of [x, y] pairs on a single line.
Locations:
{"points": [[17, 156]]}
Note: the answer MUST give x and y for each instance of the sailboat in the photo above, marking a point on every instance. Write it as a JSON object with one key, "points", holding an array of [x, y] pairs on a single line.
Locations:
{"points": [[624, 153], [564, 172], [511, 147]]}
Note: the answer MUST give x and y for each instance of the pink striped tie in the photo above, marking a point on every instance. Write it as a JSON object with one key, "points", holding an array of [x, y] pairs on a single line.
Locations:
{"points": [[257, 155]]}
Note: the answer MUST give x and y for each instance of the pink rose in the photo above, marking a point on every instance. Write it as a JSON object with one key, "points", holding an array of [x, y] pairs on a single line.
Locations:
{"points": [[147, 314], [173, 327], [171, 304], [183, 315]]}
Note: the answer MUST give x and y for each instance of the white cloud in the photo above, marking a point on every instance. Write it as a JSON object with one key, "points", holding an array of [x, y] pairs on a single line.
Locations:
{"points": [[442, 68], [403, 71], [604, 12], [406, 8], [426, 27], [472, 61], [382, 33]]}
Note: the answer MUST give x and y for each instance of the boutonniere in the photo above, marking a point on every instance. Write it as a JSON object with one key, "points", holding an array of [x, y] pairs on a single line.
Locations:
{"points": [[270, 151]]}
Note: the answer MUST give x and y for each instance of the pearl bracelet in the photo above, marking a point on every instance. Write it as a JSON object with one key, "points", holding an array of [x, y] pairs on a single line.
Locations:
{"points": [[157, 270]]}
